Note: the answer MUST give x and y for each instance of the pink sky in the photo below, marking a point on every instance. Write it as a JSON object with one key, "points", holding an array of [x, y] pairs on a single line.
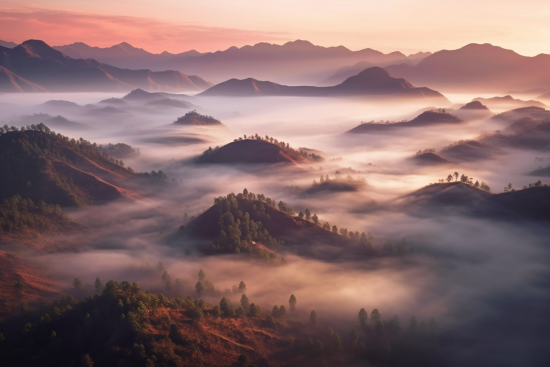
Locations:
{"points": [[210, 25]]}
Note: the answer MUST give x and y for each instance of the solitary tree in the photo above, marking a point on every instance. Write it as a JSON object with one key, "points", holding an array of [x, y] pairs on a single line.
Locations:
{"points": [[242, 287], [98, 285], [301, 215], [199, 288], [375, 316], [315, 219], [308, 214], [77, 283], [292, 302], [354, 337], [202, 276], [245, 303], [313, 317], [363, 317], [456, 176], [449, 178]]}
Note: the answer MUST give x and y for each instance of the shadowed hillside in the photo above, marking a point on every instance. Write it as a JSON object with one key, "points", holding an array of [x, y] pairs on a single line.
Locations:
{"points": [[41, 165], [256, 150]]}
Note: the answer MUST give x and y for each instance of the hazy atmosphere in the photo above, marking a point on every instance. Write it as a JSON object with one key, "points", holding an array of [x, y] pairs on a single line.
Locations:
{"points": [[274, 184]]}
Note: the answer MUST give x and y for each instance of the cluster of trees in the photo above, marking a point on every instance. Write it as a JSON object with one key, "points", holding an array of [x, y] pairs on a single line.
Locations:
{"points": [[428, 150], [467, 180], [193, 117], [120, 324], [241, 223], [51, 143], [119, 150], [159, 177], [312, 156], [17, 213], [539, 183]]}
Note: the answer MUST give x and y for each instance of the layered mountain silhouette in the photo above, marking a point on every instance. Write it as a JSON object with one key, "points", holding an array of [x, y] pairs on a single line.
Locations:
{"points": [[34, 65], [374, 81], [479, 67], [294, 62], [508, 102], [475, 105], [427, 118], [7, 44], [536, 113], [345, 72]]}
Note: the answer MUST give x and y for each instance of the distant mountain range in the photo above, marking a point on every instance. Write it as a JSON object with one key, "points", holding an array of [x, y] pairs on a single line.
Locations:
{"points": [[294, 62], [374, 81], [478, 67], [34, 66]]}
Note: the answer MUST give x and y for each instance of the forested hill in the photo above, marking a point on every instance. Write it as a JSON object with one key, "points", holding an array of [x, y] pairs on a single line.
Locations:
{"points": [[122, 325], [250, 223], [39, 164]]}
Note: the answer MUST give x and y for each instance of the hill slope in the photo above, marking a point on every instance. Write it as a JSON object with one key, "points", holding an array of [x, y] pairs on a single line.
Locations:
{"points": [[252, 151], [40, 165]]}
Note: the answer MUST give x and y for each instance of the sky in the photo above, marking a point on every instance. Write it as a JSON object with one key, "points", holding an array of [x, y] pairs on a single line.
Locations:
{"points": [[210, 25]]}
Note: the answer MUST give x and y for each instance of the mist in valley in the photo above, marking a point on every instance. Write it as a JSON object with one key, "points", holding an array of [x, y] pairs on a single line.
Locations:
{"points": [[484, 280]]}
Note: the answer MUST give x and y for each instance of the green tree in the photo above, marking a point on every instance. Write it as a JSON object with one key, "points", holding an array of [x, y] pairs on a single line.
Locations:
{"points": [[245, 303], [292, 302], [202, 276], [254, 310], [456, 176], [216, 312], [275, 312], [308, 214], [98, 285], [199, 288], [315, 219], [363, 317], [375, 316], [24, 307], [313, 317], [354, 337], [245, 193], [196, 314], [242, 287], [301, 215], [77, 283], [240, 311], [226, 308]]}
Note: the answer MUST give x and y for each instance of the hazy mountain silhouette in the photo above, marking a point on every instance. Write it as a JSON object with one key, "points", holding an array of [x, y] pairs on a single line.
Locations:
{"points": [[294, 62], [195, 118], [429, 159], [479, 67], [536, 113], [46, 67], [122, 55], [426, 118], [475, 105], [508, 102], [347, 71], [7, 44], [374, 81]]}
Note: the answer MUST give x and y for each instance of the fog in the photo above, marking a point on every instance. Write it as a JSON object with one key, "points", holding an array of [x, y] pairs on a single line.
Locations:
{"points": [[484, 280]]}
